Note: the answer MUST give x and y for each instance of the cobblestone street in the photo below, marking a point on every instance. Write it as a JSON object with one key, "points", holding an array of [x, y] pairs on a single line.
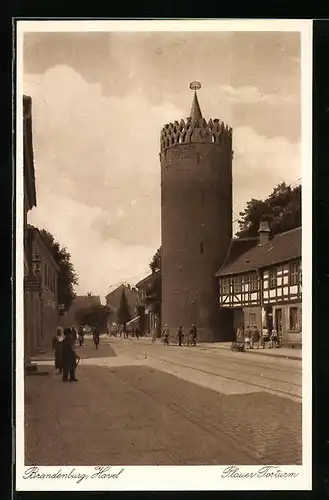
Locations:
{"points": [[138, 403]]}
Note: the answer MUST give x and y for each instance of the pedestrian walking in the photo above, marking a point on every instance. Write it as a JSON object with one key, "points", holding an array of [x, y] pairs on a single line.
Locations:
{"points": [[96, 337], [58, 350], [247, 338], [81, 334], [239, 344], [274, 342], [137, 332], [165, 335], [180, 335], [265, 337], [255, 336], [74, 335], [249, 335], [193, 334], [70, 357]]}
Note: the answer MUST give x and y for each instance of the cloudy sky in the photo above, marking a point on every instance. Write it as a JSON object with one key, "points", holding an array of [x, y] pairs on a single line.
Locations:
{"points": [[99, 103]]}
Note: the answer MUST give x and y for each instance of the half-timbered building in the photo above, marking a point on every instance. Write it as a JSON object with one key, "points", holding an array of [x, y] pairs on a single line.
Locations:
{"points": [[263, 285]]}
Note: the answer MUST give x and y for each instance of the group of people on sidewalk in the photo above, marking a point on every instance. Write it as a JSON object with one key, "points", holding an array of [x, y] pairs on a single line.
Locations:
{"points": [[190, 339], [64, 348], [251, 337]]}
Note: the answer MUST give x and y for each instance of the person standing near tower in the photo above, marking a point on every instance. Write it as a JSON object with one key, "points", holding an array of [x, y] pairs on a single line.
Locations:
{"points": [[180, 335], [165, 335], [193, 334], [69, 357]]}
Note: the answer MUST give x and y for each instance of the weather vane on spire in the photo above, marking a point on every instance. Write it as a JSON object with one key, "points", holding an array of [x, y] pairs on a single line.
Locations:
{"points": [[195, 85]]}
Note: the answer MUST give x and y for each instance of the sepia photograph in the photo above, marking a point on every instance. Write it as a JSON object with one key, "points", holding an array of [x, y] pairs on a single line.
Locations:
{"points": [[162, 171]]}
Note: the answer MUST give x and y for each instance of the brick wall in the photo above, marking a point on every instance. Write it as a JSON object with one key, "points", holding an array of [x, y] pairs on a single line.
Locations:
{"points": [[196, 214]]}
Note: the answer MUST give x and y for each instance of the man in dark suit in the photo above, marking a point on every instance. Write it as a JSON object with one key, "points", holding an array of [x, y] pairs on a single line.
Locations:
{"points": [[69, 357]]}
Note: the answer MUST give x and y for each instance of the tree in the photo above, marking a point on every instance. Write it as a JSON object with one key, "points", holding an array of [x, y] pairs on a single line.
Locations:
{"points": [[123, 312], [155, 264], [282, 209], [95, 315], [153, 293], [67, 277]]}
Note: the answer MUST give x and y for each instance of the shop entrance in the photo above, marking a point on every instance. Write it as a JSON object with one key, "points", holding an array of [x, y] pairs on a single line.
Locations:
{"points": [[278, 322], [269, 318], [224, 331]]}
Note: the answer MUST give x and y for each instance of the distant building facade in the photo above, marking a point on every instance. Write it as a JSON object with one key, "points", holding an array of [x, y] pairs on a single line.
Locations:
{"points": [[151, 309], [113, 300], [262, 285], [68, 319]]}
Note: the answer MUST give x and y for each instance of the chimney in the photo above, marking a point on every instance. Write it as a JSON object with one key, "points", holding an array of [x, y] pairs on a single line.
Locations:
{"points": [[263, 232]]}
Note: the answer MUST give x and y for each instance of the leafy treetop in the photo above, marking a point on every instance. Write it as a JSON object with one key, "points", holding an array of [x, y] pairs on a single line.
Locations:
{"points": [[67, 277], [282, 209]]}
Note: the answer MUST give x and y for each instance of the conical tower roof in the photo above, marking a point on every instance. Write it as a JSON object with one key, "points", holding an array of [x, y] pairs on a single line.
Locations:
{"points": [[195, 113]]}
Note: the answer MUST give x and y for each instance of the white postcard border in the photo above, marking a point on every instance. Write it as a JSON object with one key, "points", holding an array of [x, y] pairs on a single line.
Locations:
{"points": [[140, 478]]}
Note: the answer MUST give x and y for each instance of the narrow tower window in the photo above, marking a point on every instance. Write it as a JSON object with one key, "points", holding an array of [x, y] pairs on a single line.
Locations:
{"points": [[201, 247]]}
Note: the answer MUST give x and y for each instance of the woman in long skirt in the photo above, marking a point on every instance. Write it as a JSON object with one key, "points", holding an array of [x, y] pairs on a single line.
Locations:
{"points": [[58, 351]]}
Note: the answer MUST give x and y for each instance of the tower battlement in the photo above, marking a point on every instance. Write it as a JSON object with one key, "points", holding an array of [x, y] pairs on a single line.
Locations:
{"points": [[191, 131]]}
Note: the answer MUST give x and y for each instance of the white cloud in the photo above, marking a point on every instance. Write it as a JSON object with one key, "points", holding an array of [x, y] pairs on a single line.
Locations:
{"points": [[252, 95], [260, 164], [98, 171]]}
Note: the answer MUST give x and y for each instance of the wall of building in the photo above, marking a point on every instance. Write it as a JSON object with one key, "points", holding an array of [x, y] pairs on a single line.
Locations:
{"points": [[46, 306], [196, 219], [32, 323], [252, 317], [291, 333]]}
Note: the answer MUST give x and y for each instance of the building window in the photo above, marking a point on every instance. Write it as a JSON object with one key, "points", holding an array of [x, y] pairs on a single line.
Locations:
{"points": [[272, 278], [252, 319], [225, 286], [294, 273], [253, 283], [237, 284], [293, 318]]}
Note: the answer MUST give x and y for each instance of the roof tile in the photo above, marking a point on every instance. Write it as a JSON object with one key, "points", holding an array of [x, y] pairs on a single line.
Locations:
{"points": [[281, 248]]}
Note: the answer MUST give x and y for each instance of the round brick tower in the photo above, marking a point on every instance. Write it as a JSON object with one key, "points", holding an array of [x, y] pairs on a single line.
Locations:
{"points": [[196, 219]]}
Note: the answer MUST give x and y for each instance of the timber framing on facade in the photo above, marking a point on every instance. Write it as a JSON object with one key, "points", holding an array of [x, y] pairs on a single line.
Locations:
{"points": [[266, 282]]}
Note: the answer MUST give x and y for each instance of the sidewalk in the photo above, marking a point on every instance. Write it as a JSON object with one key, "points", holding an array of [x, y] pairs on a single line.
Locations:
{"points": [[282, 352]]}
